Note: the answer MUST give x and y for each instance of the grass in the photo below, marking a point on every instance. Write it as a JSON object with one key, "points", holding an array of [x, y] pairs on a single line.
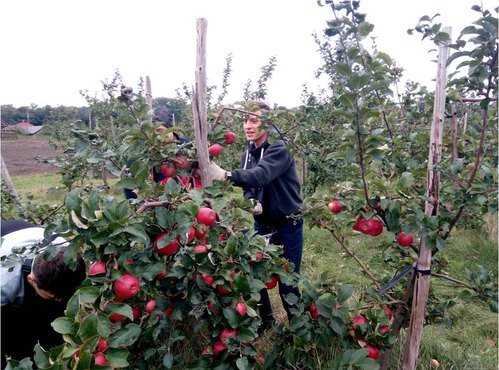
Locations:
{"points": [[466, 339]]}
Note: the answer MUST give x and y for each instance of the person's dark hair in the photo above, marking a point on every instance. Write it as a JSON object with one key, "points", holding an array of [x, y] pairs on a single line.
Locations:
{"points": [[254, 105], [164, 115], [57, 277]]}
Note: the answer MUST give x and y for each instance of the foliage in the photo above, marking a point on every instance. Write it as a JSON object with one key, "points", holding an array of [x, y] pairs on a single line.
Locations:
{"points": [[377, 149]]}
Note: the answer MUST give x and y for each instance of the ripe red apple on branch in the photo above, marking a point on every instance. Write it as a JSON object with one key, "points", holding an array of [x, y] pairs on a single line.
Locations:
{"points": [[405, 239], [206, 216], [334, 206], [215, 150], [314, 312], [230, 137], [167, 169], [167, 250], [241, 308], [97, 268], [373, 351], [126, 287], [273, 281], [100, 359]]}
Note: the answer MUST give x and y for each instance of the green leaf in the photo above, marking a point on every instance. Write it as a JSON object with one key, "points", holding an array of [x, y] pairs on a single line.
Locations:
{"points": [[137, 230], [358, 81], [242, 364], [88, 294], [365, 28], [232, 316], [64, 325], [125, 336], [406, 180], [344, 293]]}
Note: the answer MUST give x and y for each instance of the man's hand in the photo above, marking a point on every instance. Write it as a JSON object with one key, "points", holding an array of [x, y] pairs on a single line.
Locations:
{"points": [[217, 173], [257, 209]]}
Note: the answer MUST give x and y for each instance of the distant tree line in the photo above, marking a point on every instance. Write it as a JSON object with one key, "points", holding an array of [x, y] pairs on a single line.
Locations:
{"points": [[48, 115], [43, 115]]}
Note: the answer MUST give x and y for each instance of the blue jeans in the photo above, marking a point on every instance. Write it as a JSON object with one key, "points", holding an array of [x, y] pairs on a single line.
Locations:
{"points": [[290, 236]]}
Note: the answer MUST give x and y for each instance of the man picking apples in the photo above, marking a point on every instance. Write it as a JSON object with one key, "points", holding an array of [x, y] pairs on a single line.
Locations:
{"points": [[269, 177], [35, 293], [163, 119]]}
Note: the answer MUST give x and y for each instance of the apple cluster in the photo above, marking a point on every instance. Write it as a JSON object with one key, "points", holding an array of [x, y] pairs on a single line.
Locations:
{"points": [[371, 330]]}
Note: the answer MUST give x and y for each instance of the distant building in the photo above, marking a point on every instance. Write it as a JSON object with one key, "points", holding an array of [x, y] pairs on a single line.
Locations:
{"points": [[27, 128]]}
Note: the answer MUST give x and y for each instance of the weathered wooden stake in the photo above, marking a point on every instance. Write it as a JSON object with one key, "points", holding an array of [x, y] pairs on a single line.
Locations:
{"points": [[149, 95], [422, 282], [199, 104], [8, 181]]}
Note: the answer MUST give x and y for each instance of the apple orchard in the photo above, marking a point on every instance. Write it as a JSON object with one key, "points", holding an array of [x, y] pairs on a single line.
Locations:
{"points": [[174, 275]]}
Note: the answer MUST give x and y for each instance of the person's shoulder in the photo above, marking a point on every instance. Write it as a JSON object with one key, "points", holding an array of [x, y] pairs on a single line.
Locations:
{"points": [[278, 145]]}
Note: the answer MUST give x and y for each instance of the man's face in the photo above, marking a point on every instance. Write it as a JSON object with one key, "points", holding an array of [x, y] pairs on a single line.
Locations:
{"points": [[45, 294], [169, 137], [252, 127]]}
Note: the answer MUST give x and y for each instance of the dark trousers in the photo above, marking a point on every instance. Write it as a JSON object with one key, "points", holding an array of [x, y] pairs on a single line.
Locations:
{"points": [[290, 236]]}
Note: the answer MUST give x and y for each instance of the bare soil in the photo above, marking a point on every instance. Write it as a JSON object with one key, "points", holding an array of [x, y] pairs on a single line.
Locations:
{"points": [[20, 155]]}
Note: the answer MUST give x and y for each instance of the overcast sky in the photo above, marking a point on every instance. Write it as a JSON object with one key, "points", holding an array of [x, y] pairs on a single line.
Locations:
{"points": [[52, 49]]}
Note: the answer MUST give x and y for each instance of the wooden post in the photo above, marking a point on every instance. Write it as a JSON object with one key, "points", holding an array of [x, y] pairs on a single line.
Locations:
{"points": [[199, 104], [454, 132], [149, 95], [8, 181], [422, 277]]}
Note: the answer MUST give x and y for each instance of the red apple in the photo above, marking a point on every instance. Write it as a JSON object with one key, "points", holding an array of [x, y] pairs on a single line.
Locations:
{"points": [[314, 312], [115, 317], [126, 287], [206, 216], [384, 329], [200, 234], [167, 169], [358, 320], [373, 351], [208, 279], [227, 333], [97, 268], [161, 276], [215, 150], [218, 347], [360, 224], [220, 290], [230, 137], [273, 282], [334, 206], [200, 248], [100, 359], [375, 227], [136, 313], [168, 312], [167, 250], [405, 239], [241, 308], [182, 162], [150, 306], [102, 345], [388, 313]]}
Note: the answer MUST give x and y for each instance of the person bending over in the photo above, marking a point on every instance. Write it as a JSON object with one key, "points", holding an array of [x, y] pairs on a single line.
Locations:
{"points": [[35, 293]]}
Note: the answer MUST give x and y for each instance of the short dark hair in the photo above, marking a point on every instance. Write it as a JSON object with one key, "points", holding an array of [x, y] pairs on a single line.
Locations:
{"points": [[164, 115], [254, 105], [55, 276]]}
